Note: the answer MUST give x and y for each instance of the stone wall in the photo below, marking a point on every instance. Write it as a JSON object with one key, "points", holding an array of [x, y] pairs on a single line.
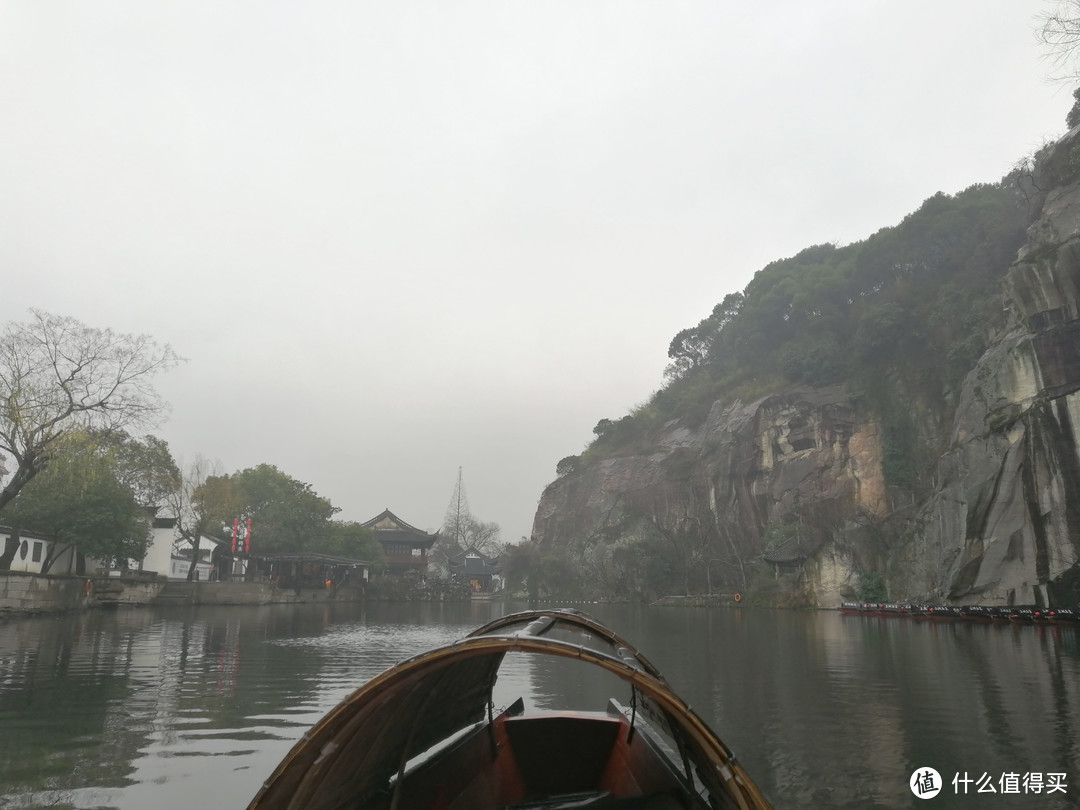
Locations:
{"points": [[25, 593], [32, 593], [260, 593]]}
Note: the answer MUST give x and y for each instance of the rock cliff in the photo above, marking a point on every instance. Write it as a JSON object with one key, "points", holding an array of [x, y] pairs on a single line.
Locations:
{"points": [[793, 483], [1004, 524]]}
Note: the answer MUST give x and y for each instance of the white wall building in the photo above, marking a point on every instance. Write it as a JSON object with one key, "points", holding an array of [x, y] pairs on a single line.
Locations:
{"points": [[170, 555], [35, 548]]}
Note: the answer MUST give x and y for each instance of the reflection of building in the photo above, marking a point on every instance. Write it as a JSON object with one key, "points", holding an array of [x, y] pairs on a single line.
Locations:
{"points": [[475, 568], [406, 547]]}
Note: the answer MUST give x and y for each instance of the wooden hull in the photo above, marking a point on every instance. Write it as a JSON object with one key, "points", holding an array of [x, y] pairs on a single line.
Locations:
{"points": [[421, 736], [551, 761]]}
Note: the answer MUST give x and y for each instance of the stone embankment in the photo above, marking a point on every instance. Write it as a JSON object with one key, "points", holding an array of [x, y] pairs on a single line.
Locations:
{"points": [[701, 600], [32, 593], [22, 593]]}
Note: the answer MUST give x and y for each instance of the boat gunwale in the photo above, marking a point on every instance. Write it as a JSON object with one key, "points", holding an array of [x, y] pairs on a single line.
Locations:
{"points": [[728, 772]]}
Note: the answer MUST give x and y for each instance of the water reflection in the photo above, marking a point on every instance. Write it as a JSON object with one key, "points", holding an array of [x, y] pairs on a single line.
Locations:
{"points": [[139, 708]]}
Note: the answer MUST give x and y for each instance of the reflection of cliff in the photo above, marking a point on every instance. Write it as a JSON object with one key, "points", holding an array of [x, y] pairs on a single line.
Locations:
{"points": [[798, 478], [826, 711]]}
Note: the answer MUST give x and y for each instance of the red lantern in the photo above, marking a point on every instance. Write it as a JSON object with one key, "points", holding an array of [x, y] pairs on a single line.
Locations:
{"points": [[247, 538]]}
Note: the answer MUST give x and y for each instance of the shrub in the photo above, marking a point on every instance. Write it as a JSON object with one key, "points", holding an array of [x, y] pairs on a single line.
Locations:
{"points": [[871, 587]]}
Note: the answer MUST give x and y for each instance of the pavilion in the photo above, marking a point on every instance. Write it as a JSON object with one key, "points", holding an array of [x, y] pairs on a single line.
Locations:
{"points": [[406, 547]]}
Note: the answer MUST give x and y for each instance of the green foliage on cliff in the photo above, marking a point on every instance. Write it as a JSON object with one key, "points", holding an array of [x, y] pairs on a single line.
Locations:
{"points": [[892, 325], [901, 316], [871, 587]]}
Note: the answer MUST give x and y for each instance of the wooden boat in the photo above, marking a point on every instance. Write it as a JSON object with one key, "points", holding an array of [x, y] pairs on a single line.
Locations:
{"points": [[980, 613], [422, 736], [1062, 615]]}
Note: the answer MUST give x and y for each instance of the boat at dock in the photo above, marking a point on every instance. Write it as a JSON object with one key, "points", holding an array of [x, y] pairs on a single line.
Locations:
{"points": [[423, 736], [1023, 614]]}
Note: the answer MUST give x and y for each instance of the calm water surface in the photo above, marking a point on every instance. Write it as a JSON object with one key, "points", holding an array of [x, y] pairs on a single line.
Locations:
{"points": [[193, 708]]}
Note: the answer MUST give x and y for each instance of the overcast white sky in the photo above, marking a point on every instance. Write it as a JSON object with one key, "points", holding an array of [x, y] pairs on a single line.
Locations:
{"points": [[397, 238]]}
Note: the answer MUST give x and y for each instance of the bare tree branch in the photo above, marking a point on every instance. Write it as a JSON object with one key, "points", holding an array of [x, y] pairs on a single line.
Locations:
{"points": [[58, 375]]}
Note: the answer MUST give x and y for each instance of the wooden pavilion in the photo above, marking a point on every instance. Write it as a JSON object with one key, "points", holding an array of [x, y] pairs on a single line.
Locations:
{"points": [[476, 568], [406, 547]]}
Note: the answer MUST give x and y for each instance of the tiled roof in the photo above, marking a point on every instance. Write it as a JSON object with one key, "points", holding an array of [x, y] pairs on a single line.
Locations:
{"points": [[391, 522]]}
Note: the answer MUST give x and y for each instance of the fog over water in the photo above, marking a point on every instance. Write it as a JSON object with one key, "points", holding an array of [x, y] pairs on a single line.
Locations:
{"points": [[396, 239]]}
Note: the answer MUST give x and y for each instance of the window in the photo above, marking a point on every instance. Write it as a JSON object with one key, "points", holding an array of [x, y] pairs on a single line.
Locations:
{"points": [[37, 551]]}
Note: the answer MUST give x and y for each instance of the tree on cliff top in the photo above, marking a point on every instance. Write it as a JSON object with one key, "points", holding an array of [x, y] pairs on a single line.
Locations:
{"points": [[58, 376], [1059, 31]]}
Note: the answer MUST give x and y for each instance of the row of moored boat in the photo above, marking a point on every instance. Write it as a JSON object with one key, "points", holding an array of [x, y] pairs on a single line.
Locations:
{"points": [[984, 613]]}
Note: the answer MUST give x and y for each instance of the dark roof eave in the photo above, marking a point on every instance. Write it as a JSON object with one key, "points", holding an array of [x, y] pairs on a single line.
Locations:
{"points": [[386, 513]]}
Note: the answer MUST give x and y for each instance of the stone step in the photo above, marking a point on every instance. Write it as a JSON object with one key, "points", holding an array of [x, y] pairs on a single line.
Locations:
{"points": [[176, 593]]}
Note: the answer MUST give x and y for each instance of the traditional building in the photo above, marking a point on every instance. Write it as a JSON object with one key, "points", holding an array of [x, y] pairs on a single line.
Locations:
{"points": [[34, 549], [476, 568], [172, 555], [406, 547]]}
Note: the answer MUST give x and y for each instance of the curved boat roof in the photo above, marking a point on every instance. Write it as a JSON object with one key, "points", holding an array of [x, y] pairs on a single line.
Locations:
{"points": [[361, 744]]}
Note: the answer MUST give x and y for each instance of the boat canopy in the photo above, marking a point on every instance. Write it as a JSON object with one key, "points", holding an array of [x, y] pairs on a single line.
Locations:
{"points": [[357, 749]]}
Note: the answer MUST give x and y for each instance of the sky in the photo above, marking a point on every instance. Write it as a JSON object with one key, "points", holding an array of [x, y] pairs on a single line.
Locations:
{"points": [[394, 239]]}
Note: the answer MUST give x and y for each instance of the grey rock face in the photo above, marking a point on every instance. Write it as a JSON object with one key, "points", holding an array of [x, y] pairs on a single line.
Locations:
{"points": [[797, 453], [1003, 524]]}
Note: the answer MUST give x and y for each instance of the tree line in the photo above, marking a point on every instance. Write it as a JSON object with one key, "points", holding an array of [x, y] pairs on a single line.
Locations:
{"points": [[901, 316], [71, 397]]}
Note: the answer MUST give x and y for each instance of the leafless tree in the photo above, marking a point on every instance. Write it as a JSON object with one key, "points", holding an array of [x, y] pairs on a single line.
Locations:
{"points": [[458, 516], [202, 502], [1059, 31], [57, 375], [462, 530]]}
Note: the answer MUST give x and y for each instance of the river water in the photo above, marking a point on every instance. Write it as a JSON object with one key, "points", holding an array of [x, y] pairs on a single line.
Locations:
{"points": [[192, 708]]}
